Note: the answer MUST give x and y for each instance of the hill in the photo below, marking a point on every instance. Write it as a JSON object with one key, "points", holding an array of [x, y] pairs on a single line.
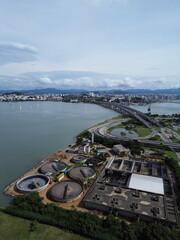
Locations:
{"points": [[80, 91]]}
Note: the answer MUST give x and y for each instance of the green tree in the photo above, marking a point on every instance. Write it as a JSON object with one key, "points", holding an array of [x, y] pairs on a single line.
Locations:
{"points": [[33, 226]]}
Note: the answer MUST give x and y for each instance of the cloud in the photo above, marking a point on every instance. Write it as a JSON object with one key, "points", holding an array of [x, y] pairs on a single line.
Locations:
{"points": [[162, 80], [82, 80], [65, 80], [16, 52], [85, 80], [45, 80]]}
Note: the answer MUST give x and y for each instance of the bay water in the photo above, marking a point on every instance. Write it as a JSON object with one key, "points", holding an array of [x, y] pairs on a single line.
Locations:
{"points": [[32, 131], [167, 108]]}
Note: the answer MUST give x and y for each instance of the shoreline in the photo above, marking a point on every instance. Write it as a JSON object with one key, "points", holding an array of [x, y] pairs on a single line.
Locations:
{"points": [[5, 191], [54, 131], [62, 156], [77, 203]]}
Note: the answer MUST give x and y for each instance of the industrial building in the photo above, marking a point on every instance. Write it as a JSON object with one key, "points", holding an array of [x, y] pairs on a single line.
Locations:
{"points": [[135, 190], [119, 149], [84, 149]]}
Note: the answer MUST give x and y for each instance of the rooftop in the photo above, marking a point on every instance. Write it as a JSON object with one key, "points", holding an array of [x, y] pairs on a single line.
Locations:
{"points": [[146, 183]]}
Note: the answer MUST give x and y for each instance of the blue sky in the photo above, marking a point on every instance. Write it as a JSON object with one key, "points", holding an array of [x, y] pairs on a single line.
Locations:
{"points": [[89, 44]]}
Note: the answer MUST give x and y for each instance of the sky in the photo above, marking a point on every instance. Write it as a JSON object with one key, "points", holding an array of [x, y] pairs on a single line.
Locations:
{"points": [[89, 44]]}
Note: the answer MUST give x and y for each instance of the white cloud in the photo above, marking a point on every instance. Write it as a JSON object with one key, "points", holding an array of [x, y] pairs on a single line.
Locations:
{"points": [[85, 80], [16, 52], [163, 80], [95, 82], [20, 46], [45, 80]]}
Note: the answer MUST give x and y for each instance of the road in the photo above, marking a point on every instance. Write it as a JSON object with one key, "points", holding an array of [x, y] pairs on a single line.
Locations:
{"points": [[146, 120]]}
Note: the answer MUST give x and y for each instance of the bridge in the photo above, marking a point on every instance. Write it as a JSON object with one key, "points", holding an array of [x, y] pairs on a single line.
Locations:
{"points": [[146, 120]]}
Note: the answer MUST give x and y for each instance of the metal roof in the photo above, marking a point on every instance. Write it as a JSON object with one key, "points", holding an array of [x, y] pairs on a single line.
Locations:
{"points": [[147, 183]]}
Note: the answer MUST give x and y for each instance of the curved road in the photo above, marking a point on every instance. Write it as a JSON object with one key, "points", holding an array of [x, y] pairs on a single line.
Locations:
{"points": [[146, 120]]}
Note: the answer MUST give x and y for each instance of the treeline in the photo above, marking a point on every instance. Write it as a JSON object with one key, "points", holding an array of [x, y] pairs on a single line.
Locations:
{"points": [[87, 224], [84, 134], [134, 147], [174, 165]]}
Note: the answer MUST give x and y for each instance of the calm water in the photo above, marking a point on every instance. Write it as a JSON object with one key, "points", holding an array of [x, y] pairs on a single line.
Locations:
{"points": [[160, 108], [130, 134], [31, 131]]}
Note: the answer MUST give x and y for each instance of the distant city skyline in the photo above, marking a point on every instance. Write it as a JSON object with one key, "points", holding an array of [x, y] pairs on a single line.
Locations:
{"points": [[89, 44]]}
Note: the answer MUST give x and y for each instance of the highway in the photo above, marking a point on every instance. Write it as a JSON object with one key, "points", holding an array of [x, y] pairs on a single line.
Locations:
{"points": [[146, 120]]}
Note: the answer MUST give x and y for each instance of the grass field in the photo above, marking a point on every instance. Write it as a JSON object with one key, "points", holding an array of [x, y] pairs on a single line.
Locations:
{"points": [[175, 140], [108, 120], [171, 154], [14, 228], [120, 117], [115, 127], [142, 131], [123, 134], [156, 138]]}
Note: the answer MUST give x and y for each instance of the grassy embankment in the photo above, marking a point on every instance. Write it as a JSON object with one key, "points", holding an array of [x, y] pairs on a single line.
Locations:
{"points": [[156, 138], [164, 152], [115, 127], [175, 140], [170, 154], [142, 131], [108, 120], [123, 134], [175, 130], [157, 128], [15, 228]]}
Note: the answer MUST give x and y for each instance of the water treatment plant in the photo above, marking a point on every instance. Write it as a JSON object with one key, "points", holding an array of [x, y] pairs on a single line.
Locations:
{"points": [[82, 173], [53, 168], [107, 180], [79, 159], [128, 188], [135, 190], [66, 191], [32, 183], [94, 161]]}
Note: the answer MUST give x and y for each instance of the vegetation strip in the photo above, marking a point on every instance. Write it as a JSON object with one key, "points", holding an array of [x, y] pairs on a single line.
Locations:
{"points": [[15, 228], [87, 224]]}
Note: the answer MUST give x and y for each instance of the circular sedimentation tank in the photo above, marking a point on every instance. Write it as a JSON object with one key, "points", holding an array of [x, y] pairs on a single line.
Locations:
{"points": [[66, 191], [32, 183], [82, 173], [94, 161], [53, 167], [79, 159]]}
